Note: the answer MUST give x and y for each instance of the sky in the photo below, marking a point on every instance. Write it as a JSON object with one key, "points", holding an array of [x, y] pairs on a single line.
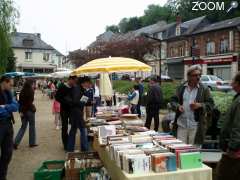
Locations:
{"points": [[72, 24]]}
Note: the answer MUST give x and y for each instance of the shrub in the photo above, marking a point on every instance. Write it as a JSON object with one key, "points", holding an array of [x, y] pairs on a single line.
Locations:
{"points": [[168, 88]]}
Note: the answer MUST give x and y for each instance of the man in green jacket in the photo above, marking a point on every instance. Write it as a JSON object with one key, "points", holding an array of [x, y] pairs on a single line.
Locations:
{"points": [[192, 103], [229, 165]]}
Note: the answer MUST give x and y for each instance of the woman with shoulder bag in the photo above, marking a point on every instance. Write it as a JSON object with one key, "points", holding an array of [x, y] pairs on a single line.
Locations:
{"points": [[27, 112]]}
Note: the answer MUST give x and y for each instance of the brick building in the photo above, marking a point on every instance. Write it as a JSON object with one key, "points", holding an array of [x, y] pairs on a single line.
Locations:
{"points": [[216, 48]]}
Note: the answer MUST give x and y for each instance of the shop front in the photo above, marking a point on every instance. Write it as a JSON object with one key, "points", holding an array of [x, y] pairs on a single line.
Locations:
{"points": [[175, 68], [224, 67]]}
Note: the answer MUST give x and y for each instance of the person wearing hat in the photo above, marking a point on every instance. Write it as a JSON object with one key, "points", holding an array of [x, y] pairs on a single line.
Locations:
{"points": [[192, 102], [154, 100]]}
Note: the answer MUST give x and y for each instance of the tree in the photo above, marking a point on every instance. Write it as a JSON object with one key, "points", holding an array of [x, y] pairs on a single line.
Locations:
{"points": [[184, 9], [113, 28], [122, 47], [11, 61], [155, 13], [123, 25], [8, 16]]}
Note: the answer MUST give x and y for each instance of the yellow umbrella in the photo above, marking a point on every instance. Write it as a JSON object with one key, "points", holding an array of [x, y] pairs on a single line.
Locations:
{"points": [[112, 64]]}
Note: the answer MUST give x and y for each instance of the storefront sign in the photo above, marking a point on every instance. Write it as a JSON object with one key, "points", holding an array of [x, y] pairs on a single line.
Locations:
{"points": [[218, 60]]}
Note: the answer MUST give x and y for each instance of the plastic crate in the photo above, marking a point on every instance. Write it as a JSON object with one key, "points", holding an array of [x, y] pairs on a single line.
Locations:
{"points": [[85, 172], [50, 170]]}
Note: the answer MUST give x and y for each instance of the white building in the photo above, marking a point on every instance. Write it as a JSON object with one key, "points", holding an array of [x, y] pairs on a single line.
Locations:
{"points": [[34, 55]]}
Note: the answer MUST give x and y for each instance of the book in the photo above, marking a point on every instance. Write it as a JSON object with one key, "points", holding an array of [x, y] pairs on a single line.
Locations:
{"points": [[164, 162], [190, 160], [121, 153], [179, 151], [135, 164], [105, 131]]}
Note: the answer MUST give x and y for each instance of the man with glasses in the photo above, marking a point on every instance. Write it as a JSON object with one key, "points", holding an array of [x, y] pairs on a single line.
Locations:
{"points": [[192, 102]]}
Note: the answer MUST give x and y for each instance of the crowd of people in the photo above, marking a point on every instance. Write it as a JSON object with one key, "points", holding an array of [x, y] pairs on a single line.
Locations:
{"points": [[78, 98]]}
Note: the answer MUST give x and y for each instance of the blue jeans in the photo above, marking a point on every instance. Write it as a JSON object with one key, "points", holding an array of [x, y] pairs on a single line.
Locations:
{"points": [[83, 139], [96, 104], [28, 117], [133, 109]]}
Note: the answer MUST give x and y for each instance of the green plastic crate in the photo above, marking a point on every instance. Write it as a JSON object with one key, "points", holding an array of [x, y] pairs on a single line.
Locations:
{"points": [[50, 170], [85, 172]]}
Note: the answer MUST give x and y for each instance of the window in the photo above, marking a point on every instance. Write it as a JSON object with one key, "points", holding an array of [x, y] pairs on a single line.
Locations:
{"points": [[210, 47], [204, 78], [178, 30], [46, 56], [159, 35], [48, 70], [171, 52], [215, 78], [28, 54], [181, 51], [38, 70], [224, 46]]}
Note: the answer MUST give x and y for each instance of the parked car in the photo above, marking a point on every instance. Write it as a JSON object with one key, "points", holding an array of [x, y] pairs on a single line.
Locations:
{"points": [[215, 83], [164, 78]]}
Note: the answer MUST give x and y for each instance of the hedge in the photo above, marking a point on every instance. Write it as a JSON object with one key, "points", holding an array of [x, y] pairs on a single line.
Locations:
{"points": [[168, 88]]}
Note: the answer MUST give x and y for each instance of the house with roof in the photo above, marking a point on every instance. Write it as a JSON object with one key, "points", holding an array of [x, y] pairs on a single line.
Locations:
{"points": [[177, 38], [216, 48], [34, 55]]}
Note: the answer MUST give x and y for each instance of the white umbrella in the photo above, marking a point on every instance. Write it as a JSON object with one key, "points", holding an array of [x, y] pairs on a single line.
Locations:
{"points": [[61, 74]]}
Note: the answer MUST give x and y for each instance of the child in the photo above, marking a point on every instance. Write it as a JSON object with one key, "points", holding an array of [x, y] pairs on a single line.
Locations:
{"points": [[134, 98], [56, 112]]}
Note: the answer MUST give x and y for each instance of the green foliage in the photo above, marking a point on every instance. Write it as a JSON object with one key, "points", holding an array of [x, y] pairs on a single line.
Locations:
{"points": [[168, 88], [113, 28], [8, 16], [122, 86], [152, 14], [155, 13], [11, 61], [168, 12], [222, 100], [184, 9], [129, 24]]}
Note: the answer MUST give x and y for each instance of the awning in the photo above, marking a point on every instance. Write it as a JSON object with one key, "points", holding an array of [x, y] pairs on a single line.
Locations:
{"points": [[175, 60], [27, 65]]}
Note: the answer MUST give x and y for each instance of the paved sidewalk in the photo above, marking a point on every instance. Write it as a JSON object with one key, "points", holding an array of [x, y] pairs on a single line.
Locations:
{"points": [[25, 160]]}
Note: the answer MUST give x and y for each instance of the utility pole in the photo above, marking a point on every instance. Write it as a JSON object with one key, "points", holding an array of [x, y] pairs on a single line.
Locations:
{"points": [[146, 35]]}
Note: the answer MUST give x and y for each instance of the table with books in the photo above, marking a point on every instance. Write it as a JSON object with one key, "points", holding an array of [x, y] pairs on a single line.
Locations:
{"points": [[130, 151], [203, 173]]}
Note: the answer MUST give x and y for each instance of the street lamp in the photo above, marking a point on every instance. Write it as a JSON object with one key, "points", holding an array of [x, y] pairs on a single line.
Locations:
{"points": [[146, 35]]}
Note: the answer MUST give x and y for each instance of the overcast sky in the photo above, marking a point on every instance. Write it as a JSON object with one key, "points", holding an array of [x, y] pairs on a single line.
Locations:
{"points": [[72, 24]]}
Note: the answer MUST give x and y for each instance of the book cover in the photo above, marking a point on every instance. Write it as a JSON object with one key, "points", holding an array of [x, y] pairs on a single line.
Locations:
{"points": [[190, 160], [163, 162]]}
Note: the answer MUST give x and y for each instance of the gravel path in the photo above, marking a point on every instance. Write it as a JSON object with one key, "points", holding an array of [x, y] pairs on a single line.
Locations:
{"points": [[25, 160]]}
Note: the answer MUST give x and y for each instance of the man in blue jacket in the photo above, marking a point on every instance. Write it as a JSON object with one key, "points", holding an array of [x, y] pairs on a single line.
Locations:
{"points": [[7, 107]]}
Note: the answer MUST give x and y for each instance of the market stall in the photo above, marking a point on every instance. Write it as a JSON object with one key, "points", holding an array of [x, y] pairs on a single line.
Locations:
{"points": [[204, 173], [118, 137]]}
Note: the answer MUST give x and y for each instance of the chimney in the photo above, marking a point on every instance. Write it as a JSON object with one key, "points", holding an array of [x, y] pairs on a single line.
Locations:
{"points": [[38, 35], [178, 19]]}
